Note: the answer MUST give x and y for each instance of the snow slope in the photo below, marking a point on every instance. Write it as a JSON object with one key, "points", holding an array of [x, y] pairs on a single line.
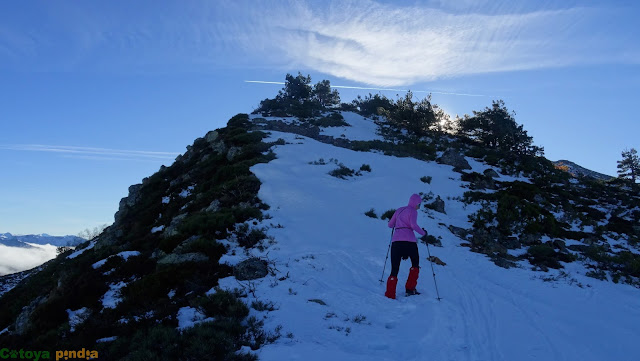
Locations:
{"points": [[328, 259]]}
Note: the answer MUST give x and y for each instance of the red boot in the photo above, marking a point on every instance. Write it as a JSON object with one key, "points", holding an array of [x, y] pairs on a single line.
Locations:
{"points": [[412, 280], [391, 287]]}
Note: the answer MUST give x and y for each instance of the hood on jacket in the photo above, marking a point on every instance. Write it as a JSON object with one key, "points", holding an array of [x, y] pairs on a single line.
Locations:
{"points": [[414, 200]]}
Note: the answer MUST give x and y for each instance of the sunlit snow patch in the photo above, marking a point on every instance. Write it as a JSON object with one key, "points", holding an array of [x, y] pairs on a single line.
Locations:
{"points": [[125, 255], [112, 297], [77, 317], [81, 251]]}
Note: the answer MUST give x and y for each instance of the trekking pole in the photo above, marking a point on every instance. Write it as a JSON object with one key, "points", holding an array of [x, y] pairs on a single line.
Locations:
{"points": [[388, 249], [432, 271]]}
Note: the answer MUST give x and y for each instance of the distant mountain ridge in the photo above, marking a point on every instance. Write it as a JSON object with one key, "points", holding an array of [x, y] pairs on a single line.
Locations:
{"points": [[577, 170], [11, 240]]}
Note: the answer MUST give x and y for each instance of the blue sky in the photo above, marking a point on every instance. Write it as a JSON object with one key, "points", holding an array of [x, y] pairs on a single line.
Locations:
{"points": [[95, 96]]}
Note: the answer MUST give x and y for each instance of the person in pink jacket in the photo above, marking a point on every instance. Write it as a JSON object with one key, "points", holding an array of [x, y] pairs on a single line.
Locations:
{"points": [[404, 245]]}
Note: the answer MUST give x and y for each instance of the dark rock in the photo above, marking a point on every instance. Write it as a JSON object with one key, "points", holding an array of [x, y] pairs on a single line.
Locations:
{"points": [[578, 248], [158, 253], [127, 202], [183, 179], [438, 205], [458, 231], [530, 239], [484, 183], [510, 242], [172, 230], [478, 181], [453, 158], [214, 206], [233, 152], [491, 173], [487, 242], [559, 244], [436, 260], [219, 147], [250, 269], [23, 321], [211, 137], [538, 199], [185, 245], [109, 237], [504, 263], [301, 129], [183, 258]]}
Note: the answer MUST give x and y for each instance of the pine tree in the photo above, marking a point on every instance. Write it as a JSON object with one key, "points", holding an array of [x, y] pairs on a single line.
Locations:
{"points": [[296, 89], [496, 128], [415, 117], [629, 166], [324, 96]]}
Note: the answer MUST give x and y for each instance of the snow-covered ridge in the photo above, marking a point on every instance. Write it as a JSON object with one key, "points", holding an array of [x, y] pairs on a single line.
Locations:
{"points": [[578, 170], [330, 255], [11, 240]]}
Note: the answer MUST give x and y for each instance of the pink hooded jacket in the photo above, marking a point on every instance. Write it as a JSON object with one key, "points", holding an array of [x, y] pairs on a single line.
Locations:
{"points": [[404, 221]]}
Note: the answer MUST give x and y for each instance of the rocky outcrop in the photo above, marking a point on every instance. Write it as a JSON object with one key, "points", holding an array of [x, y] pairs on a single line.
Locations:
{"points": [[491, 173], [453, 158], [127, 202], [438, 205], [458, 231], [232, 153], [479, 181], [109, 237], [185, 246], [172, 230], [214, 206], [174, 258], [576, 170], [487, 242], [23, 322], [250, 269]]}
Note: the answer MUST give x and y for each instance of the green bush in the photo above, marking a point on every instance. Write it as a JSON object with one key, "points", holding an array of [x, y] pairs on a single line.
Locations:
{"points": [[388, 214], [371, 213], [157, 343], [252, 238], [222, 304], [597, 274], [426, 179], [544, 256], [365, 168], [216, 341], [209, 225], [168, 244], [332, 120], [210, 247], [620, 226], [342, 172]]}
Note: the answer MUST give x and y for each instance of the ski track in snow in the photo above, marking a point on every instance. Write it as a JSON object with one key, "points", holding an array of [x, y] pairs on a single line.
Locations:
{"points": [[329, 250]]}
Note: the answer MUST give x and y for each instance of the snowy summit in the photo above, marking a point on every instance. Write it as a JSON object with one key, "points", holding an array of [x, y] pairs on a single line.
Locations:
{"points": [[268, 239]]}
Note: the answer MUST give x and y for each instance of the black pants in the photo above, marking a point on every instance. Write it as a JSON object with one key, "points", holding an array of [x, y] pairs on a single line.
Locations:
{"points": [[403, 250]]}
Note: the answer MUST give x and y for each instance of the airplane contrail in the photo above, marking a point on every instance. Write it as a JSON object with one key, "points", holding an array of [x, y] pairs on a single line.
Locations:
{"points": [[382, 89]]}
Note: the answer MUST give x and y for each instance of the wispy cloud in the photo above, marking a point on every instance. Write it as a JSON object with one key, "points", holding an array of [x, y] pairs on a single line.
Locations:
{"points": [[374, 43], [94, 153], [386, 45]]}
